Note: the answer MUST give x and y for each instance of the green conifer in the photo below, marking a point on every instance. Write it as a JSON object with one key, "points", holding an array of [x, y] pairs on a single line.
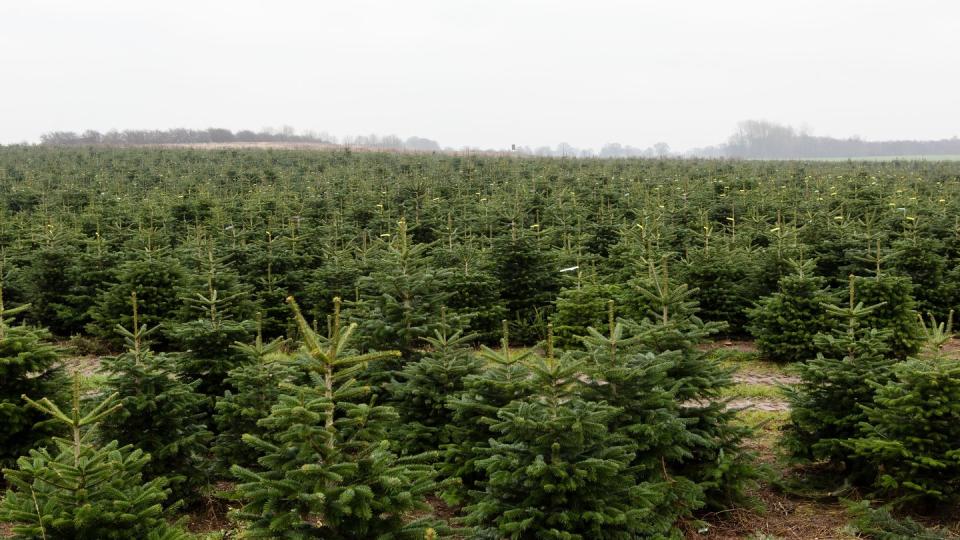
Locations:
{"points": [[83, 490], [253, 389], [554, 470], [161, 414], [826, 406], [29, 365], [911, 434], [326, 470], [785, 322], [421, 390]]}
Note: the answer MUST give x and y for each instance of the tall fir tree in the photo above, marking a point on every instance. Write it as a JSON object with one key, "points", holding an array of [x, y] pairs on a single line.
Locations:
{"points": [[785, 322], [162, 414], [555, 470], [421, 390], [505, 379], [326, 469], [911, 434], [826, 406], [29, 366], [253, 389], [83, 490]]}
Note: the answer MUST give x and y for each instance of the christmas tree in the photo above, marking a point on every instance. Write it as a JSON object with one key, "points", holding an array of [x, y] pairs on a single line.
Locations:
{"points": [[207, 340], [555, 470], [826, 407], [911, 434], [785, 322], [163, 415], [475, 409], [326, 469], [30, 366], [254, 388], [83, 490], [421, 390]]}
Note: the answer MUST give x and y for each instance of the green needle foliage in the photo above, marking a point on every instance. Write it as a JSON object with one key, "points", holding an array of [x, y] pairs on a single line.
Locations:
{"points": [[85, 491], [30, 366], [826, 407], [254, 389], [505, 379], [709, 451], [785, 323], [421, 390], [555, 470], [156, 279], [161, 414], [911, 434], [207, 341], [326, 469]]}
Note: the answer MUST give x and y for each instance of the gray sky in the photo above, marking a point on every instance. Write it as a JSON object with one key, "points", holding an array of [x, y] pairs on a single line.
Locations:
{"points": [[484, 73]]}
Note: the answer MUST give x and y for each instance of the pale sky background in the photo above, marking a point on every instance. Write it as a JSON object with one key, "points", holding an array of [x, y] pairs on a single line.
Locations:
{"points": [[483, 73]]}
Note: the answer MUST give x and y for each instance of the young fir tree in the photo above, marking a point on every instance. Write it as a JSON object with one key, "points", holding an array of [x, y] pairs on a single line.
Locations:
{"points": [[421, 390], [505, 379], [161, 414], [400, 299], [207, 341], [156, 279], [709, 452], [254, 388], [785, 322], [555, 470], [29, 366], [625, 375], [895, 311], [82, 490], [580, 308], [326, 469], [826, 406], [529, 282], [911, 434]]}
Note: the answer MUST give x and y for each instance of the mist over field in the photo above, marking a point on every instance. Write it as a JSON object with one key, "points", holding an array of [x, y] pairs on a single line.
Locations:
{"points": [[612, 78]]}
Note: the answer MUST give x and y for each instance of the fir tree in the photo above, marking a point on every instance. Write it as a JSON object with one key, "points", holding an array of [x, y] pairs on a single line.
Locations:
{"points": [[895, 308], [625, 375], [580, 308], [156, 279], [911, 431], [326, 470], [83, 490], [475, 409], [785, 322], [709, 452], [529, 283], [30, 366], [163, 415], [421, 390], [207, 341], [400, 299], [554, 470], [826, 406], [254, 388]]}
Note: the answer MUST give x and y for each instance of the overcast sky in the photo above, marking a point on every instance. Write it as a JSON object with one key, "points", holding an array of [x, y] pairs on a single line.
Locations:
{"points": [[484, 73]]}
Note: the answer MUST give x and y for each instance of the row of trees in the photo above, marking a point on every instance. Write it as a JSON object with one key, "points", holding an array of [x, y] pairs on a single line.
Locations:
{"points": [[220, 135]]}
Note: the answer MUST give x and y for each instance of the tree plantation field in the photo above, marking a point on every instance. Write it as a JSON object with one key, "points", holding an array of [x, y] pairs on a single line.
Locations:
{"points": [[272, 343]]}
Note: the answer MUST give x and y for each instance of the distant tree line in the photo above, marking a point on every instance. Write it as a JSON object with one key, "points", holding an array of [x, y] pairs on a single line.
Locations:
{"points": [[757, 139], [221, 135]]}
